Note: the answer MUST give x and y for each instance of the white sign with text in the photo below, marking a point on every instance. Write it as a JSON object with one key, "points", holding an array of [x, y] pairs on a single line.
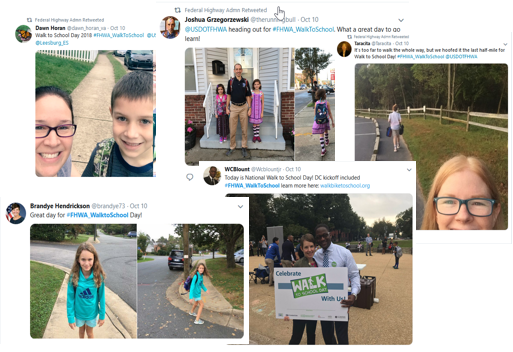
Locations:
{"points": [[311, 293]]}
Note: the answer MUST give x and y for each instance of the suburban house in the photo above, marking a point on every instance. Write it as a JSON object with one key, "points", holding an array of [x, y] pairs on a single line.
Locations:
{"points": [[205, 68]]}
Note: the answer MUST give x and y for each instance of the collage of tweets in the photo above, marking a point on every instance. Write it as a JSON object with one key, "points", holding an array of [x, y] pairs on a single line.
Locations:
{"points": [[258, 225]]}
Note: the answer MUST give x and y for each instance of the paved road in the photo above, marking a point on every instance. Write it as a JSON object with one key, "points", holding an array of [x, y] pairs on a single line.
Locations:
{"points": [[365, 137], [117, 255], [158, 318], [386, 153]]}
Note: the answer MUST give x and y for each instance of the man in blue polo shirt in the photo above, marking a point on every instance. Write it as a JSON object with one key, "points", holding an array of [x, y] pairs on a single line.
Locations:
{"points": [[272, 252], [369, 244]]}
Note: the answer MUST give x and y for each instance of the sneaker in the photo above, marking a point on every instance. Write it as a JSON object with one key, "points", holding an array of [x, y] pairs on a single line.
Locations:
{"points": [[254, 139], [199, 322], [395, 150], [398, 146], [244, 152], [259, 140], [221, 140], [229, 152], [193, 314], [327, 143], [323, 154], [225, 139]]}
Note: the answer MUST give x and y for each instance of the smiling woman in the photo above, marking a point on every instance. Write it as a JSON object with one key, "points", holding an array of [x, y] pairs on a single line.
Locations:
{"points": [[463, 196], [55, 129]]}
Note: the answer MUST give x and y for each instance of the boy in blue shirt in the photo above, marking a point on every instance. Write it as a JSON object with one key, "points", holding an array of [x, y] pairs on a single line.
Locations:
{"points": [[272, 252], [130, 152]]}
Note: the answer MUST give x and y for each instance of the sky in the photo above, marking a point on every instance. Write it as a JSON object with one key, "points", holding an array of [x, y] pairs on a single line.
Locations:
{"points": [[376, 206], [155, 231]]}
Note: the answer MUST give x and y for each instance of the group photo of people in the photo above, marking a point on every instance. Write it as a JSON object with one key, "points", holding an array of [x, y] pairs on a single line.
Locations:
{"points": [[238, 106], [369, 234], [452, 119], [95, 113]]}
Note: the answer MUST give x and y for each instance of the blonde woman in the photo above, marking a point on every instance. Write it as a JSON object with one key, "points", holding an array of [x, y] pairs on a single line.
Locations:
{"points": [[463, 196]]}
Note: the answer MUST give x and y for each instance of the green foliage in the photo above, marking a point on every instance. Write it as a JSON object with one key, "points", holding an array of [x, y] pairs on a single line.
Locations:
{"points": [[65, 74], [404, 223], [142, 241], [117, 229], [482, 87], [311, 61], [48, 232], [382, 228], [139, 255], [45, 284], [119, 69]]}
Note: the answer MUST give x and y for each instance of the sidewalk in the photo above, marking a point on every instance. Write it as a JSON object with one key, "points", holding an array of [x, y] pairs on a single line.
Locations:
{"points": [[217, 310], [195, 155], [388, 322], [91, 102], [120, 319], [307, 145]]}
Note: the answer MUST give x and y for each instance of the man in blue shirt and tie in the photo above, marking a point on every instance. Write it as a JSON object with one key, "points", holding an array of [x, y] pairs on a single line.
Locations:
{"points": [[331, 256]]}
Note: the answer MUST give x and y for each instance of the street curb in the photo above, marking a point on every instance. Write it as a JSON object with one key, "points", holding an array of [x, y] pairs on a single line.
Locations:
{"points": [[232, 318], [376, 143], [122, 316]]}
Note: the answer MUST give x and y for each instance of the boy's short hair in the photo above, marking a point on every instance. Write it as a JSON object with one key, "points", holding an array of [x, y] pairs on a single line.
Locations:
{"points": [[133, 86]]}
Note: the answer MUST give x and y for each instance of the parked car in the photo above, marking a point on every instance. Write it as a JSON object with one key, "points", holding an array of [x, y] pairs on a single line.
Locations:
{"points": [[139, 60], [132, 234], [328, 89], [239, 256], [176, 259], [303, 86], [119, 53]]}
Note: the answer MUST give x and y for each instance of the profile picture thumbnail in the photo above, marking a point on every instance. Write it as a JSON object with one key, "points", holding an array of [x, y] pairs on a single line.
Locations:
{"points": [[344, 49], [23, 34], [211, 176], [15, 213], [170, 27]]}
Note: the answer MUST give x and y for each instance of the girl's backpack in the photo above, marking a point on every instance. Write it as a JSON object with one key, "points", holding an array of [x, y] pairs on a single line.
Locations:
{"points": [[321, 113], [187, 284]]}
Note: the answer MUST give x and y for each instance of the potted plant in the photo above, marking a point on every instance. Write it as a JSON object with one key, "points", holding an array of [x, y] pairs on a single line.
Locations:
{"points": [[190, 135]]}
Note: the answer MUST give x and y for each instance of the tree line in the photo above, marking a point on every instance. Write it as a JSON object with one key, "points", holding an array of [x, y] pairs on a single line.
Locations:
{"points": [[59, 232], [482, 87], [300, 213]]}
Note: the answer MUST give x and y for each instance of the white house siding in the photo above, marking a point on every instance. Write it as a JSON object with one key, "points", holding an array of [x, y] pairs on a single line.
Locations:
{"points": [[200, 71], [269, 61], [220, 54], [285, 68]]}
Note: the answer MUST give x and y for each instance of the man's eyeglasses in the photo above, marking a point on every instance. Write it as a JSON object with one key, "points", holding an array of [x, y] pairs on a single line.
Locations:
{"points": [[480, 207], [63, 131]]}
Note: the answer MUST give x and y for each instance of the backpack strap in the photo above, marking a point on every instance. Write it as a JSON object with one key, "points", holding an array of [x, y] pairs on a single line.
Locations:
{"points": [[102, 157]]}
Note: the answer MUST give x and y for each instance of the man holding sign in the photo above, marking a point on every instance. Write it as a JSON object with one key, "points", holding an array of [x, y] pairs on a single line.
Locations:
{"points": [[333, 256]]}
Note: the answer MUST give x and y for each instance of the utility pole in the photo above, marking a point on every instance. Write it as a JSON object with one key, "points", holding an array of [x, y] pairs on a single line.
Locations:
{"points": [[187, 257]]}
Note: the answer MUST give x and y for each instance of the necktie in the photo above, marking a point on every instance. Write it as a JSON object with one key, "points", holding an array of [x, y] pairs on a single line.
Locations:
{"points": [[325, 261]]}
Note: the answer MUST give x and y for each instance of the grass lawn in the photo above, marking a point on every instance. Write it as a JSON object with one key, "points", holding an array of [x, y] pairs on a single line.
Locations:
{"points": [[63, 73], [119, 69], [80, 239], [402, 243], [142, 260], [229, 282], [45, 283]]}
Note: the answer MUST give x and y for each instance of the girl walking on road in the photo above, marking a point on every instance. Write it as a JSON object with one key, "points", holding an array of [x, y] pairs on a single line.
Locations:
{"points": [[86, 291], [195, 292], [321, 123], [395, 124]]}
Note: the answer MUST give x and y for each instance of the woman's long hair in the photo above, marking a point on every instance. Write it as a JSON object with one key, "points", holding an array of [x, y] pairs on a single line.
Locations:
{"points": [[195, 270], [99, 274], [457, 164]]}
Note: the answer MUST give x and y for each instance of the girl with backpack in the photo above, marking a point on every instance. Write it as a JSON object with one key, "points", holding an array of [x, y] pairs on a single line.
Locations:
{"points": [[195, 291], [85, 302], [321, 123], [257, 109]]}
